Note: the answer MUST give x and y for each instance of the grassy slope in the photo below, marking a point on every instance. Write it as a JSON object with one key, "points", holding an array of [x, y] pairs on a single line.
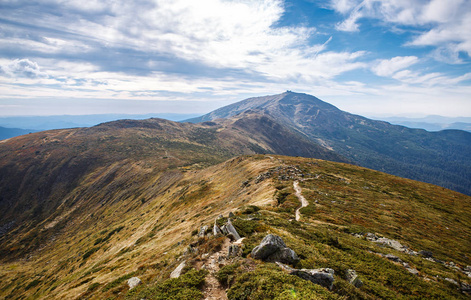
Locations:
{"points": [[142, 234]]}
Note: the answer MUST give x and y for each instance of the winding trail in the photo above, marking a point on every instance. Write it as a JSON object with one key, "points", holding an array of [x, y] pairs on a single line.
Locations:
{"points": [[301, 198]]}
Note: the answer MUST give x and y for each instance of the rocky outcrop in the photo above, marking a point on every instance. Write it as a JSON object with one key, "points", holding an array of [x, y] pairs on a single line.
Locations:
{"points": [[231, 231], [352, 278], [216, 230], [323, 277], [273, 248], [178, 270], [133, 282], [389, 243]]}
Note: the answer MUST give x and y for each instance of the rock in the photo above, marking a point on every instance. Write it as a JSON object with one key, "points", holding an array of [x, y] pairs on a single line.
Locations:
{"points": [[216, 230], [371, 236], [465, 288], [352, 278], [393, 258], [202, 231], [239, 241], [452, 281], [233, 251], [323, 277], [178, 270], [413, 271], [224, 230], [232, 231], [133, 282], [272, 248], [426, 253], [391, 243], [285, 255]]}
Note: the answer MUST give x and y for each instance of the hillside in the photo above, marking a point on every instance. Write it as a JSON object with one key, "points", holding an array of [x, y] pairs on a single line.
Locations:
{"points": [[440, 158], [44, 175], [145, 226]]}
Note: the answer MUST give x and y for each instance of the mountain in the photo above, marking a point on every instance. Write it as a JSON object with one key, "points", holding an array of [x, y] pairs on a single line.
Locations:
{"points": [[6, 133], [139, 218], [440, 158]]}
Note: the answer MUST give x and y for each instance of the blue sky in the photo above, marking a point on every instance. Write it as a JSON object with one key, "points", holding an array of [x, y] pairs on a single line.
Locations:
{"points": [[389, 57]]}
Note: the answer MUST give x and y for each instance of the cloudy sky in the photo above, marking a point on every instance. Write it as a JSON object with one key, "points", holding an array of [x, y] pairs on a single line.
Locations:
{"points": [[371, 57]]}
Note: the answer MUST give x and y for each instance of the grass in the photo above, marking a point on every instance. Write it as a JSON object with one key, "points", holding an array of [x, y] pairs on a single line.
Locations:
{"points": [[145, 239], [187, 286]]}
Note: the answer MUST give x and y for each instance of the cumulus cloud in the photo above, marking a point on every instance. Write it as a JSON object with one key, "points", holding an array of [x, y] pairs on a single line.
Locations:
{"points": [[21, 68], [214, 33], [442, 24]]}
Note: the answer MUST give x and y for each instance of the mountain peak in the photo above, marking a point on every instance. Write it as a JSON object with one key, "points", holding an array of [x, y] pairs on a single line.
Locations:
{"points": [[275, 105]]}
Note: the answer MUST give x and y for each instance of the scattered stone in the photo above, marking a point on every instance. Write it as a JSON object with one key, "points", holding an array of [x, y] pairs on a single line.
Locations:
{"points": [[224, 230], [353, 278], [452, 281], [413, 271], [426, 253], [323, 277], [202, 231], [465, 288], [393, 258], [371, 237], [233, 251], [232, 231], [133, 282], [391, 243], [273, 248], [178, 270], [239, 242], [216, 230]]}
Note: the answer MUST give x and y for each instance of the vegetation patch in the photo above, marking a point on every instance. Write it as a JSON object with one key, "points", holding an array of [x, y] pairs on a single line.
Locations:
{"points": [[187, 286]]}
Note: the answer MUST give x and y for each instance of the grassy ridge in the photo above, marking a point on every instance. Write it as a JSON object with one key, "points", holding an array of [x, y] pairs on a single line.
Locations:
{"points": [[144, 233]]}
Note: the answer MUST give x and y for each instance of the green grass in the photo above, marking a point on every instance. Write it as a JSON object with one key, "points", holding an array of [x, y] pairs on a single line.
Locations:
{"points": [[187, 286]]}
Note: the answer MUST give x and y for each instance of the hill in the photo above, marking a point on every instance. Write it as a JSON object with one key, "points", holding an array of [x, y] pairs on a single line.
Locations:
{"points": [[44, 174], [146, 225], [440, 158]]}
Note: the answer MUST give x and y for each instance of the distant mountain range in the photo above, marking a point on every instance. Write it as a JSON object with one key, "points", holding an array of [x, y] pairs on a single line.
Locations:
{"points": [[39, 123], [6, 133], [431, 123]]}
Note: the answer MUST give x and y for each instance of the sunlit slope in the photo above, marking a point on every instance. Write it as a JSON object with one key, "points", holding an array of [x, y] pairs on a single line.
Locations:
{"points": [[142, 228], [46, 175]]}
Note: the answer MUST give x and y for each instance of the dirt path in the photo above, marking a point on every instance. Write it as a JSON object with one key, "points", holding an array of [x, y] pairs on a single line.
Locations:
{"points": [[301, 198], [213, 289]]}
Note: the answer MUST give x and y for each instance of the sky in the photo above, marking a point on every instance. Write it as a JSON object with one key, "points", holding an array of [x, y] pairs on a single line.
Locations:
{"points": [[369, 57]]}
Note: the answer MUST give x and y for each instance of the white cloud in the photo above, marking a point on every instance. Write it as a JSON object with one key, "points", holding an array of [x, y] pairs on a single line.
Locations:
{"points": [[21, 68], [216, 33], [350, 24], [387, 67], [448, 22]]}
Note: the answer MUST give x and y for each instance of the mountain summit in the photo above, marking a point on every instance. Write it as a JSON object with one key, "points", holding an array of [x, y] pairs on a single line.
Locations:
{"points": [[440, 158]]}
